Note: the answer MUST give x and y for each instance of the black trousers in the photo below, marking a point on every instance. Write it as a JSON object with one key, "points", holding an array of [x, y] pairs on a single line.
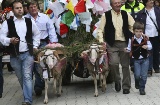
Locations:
{"points": [[154, 55], [10, 69], [1, 76]]}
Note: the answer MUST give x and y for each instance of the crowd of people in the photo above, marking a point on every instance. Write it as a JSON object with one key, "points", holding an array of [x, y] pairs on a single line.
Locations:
{"points": [[34, 28], [130, 30], [133, 20]]}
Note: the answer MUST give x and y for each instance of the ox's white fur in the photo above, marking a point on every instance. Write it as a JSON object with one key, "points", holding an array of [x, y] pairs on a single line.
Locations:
{"points": [[56, 67], [93, 57]]}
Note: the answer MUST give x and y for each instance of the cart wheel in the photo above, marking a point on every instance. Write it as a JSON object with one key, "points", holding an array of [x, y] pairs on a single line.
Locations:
{"points": [[67, 76], [110, 78]]}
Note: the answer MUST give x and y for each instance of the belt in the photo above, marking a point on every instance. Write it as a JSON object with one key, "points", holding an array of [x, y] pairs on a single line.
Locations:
{"points": [[119, 41], [43, 40], [23, 52], [142, 58]]}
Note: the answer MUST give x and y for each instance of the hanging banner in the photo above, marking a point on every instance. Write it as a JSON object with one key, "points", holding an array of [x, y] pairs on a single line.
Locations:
{"points": [[67, 18], [80, 7], [85, 18]]}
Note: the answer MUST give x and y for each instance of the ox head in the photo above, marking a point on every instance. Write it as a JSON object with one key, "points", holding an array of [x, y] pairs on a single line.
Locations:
{"points": [[93, 55], [48, 58], [94, 52]]}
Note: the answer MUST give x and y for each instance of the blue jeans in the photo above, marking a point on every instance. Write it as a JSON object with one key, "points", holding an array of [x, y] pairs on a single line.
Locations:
{"points": [[1, 76], [39, 82], [140, 71], [23, 64]]}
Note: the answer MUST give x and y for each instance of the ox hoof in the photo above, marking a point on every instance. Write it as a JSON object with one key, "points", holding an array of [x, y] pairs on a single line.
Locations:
{"points": [[103, 88], [58, 95], [100, 86], [55, 92], [95, 95], [45, 101]]}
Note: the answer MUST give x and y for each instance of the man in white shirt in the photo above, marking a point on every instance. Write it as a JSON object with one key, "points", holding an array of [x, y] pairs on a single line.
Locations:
{"points": [[22, 36], [48, 35]]}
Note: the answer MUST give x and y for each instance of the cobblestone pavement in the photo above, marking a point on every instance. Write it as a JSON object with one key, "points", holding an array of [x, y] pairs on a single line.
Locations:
{"points": [[81, 92]]}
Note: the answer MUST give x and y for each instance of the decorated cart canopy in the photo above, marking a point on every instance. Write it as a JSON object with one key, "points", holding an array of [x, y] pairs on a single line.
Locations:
{"points": [[70, 14], [76, 21]]}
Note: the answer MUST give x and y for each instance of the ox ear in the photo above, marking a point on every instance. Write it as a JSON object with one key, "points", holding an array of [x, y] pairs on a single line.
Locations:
{"points": [[100, 47], [55, 53], [101, 51], [39, 55]]}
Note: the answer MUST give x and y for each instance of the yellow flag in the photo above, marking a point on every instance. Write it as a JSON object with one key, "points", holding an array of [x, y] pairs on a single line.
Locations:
{"points": [[46, 11], [70, 6]]}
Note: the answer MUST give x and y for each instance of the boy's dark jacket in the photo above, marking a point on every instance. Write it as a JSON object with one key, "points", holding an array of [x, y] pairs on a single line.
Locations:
{"points": [[137, 49]]}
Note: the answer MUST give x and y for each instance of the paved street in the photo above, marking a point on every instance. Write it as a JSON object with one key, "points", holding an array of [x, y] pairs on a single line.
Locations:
{"points": [[80, 92]]}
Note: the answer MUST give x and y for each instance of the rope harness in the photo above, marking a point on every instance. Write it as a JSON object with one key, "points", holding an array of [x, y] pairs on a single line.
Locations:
{"points": [[46, 66], [97, 60]]}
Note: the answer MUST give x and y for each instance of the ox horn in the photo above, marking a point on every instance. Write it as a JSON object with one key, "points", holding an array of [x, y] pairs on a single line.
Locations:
{"points": [[39, 55], [55, 53]]}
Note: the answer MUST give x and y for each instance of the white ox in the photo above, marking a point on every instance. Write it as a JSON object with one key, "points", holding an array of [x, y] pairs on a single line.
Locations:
{"points": [[56, 66], [96, 60]]}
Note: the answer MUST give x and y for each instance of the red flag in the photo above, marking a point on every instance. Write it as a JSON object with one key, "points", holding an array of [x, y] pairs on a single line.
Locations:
{"points": [[63, 29], [80, 7], [94, 27], [49, 11]]}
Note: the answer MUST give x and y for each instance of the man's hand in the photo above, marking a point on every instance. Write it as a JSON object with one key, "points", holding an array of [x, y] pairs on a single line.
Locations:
{"points": [[14, 40], [126, 50], [144, 46], [35, 50]]}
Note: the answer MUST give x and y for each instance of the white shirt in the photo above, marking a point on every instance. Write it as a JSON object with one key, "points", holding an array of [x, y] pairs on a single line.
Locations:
{"points": [[45, 26], [151, 30], [21, 30], [149, 45]]}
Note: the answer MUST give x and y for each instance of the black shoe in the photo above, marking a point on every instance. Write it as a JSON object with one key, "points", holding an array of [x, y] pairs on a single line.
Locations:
{"points": [[38, 91], [142, 92], [132, 69], [157, 71], [126, 91], [136, 86], [26, 103], [118, 86], [0, 95], [149, 73], [10, 70], [137, 83]]}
